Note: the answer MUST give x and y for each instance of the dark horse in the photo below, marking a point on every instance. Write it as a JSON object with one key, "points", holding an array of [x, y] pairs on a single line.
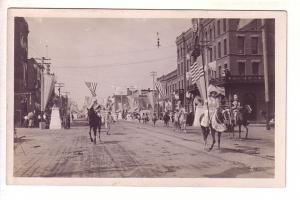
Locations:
{"points": [[242, 116], [216, 118], [95, 123], [166, 119]]}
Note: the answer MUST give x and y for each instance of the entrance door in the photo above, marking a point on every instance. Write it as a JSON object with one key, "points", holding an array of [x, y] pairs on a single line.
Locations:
{"points": [[250, 99]]}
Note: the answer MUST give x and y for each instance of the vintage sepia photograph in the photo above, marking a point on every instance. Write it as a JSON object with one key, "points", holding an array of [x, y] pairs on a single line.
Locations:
{"points": [[145, 95]]}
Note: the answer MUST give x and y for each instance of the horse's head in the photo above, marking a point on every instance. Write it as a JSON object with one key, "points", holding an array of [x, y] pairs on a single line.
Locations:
{"points": [[246, 109], [220, 115], [227, 116]]}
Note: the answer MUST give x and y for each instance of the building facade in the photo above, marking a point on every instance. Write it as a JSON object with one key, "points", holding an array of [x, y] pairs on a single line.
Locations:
{"points": [[21, 94], [235, 59], [232, 53]]}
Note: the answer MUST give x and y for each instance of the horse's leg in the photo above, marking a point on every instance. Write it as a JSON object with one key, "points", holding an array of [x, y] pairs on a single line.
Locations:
{"points": [[214, 139], [205, 134], [90, 134], [95, 133], [246, 131], [240, 131], [219, 140]]}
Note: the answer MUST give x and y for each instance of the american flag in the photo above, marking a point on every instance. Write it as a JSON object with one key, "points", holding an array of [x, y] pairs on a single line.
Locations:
{"points": [[92, 87], [196, 72], [160, 89]]}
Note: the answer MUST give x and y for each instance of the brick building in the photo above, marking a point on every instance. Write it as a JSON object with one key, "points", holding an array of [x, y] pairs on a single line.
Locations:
{"points": [[234, 56], [232, 52], [22, 97]]}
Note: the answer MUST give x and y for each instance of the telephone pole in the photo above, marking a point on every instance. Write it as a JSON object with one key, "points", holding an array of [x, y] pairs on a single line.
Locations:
{"points": [[153, 74]]}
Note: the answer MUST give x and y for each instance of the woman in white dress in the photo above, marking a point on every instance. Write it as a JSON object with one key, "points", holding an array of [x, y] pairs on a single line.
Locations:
{"points": [[198, 111]]}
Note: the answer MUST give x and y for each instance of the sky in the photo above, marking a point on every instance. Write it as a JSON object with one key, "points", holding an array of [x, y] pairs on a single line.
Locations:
{"points": [[111, 52]]}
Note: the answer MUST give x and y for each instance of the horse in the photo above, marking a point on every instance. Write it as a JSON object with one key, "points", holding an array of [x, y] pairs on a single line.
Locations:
{"points": [[166, 119], [154, 119], [94, 123], [229, 120], [176, 120], [215, 124], [242, 116], [180, 121]]}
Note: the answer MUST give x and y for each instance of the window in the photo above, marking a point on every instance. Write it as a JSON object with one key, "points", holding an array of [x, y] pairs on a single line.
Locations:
{"points": [[225, 46], [255, 68], [241, 44], [218, 27], [254, 45], [210, 54], [210, 34], [219, 49], [241, 68], [178, 69], [224, 25], [220, 71], [206, 36], [215, 52], [181, 68], [214, 32]]}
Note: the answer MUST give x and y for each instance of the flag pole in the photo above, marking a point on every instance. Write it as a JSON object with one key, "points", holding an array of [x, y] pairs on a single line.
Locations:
{"points": [[205, 86]]}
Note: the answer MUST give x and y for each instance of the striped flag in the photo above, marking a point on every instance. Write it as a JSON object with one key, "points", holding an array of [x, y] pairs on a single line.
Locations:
{"points": [[159, 87], [92, 87], [196, 72]]}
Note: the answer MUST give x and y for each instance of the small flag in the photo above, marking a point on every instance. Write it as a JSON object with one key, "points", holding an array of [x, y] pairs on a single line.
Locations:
{"points": [[196, 72], [92, 87]]}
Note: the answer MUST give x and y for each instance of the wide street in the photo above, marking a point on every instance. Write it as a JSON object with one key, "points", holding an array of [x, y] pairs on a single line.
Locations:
{"points": [[138, 150]]}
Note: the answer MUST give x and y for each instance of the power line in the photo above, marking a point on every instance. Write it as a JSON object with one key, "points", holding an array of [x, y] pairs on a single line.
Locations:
{"points": [[120, 53], [118, 64]]}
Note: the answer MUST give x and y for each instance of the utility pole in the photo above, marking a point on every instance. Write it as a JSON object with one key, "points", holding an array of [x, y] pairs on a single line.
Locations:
{"points": [[266, 72], [43, 61], [184, 71], [153, 74]]}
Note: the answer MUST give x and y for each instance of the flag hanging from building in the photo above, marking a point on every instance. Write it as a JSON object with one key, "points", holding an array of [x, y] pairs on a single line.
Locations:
{"points": [[92, 87], [196, 72], [160, 89]]}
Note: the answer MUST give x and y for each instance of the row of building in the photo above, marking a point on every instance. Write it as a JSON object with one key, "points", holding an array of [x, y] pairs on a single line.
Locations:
{"points": [[233, 53], [33, 82]]}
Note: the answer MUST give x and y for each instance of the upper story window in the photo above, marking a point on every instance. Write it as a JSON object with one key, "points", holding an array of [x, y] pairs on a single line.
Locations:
{"points": [[224, 25], [219, 49], [214, 32], [241, 44], [242, 68], [215, 52], [225, 46], [254, 45], [218, 27], [210, 34], [210, 54], [255, 68]]}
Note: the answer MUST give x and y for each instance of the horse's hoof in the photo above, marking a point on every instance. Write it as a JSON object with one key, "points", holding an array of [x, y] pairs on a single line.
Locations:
{"points": [[91, 139]]}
